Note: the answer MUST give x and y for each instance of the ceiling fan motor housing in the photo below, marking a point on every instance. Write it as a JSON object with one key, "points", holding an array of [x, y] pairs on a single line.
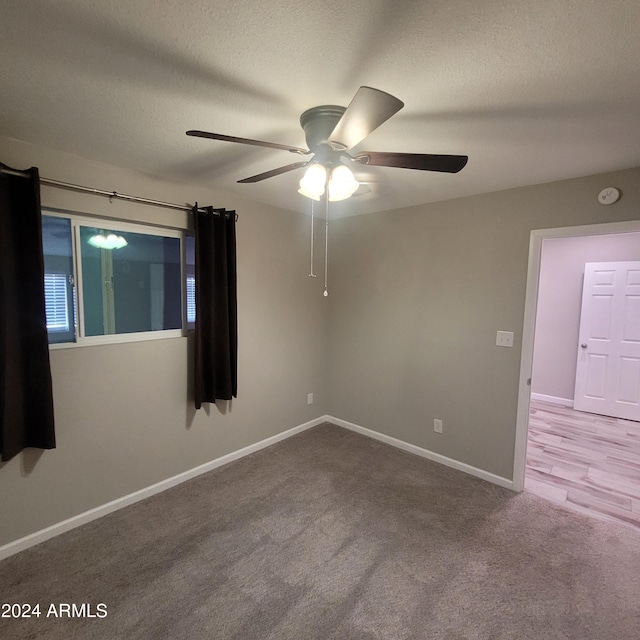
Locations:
{"points": [[318, 124]]}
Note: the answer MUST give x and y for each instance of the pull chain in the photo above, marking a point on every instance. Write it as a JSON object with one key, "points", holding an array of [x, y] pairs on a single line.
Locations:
{"points": [[311, 274], [326, 240]]}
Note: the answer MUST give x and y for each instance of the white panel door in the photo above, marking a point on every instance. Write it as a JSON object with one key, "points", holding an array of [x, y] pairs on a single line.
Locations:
{"points": [[608, 366]]}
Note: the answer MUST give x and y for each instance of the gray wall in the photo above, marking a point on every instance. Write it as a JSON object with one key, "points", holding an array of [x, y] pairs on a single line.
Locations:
{"points": [[417, 297], [559, 301], [124, 417], [407, 334]]}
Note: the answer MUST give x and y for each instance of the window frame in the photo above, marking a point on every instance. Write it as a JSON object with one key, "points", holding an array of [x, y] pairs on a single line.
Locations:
{"points": [[78, 220]]}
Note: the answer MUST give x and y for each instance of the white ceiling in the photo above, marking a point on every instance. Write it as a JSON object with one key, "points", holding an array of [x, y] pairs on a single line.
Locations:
{"points": [[531, 90]]}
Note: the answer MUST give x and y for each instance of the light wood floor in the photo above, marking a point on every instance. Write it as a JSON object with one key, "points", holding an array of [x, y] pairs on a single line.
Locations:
{"points": [[587, 462]]}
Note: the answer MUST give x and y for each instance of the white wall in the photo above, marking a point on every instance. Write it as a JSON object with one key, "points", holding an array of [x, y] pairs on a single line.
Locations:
{"points": [[124, 414], [559, 301]]}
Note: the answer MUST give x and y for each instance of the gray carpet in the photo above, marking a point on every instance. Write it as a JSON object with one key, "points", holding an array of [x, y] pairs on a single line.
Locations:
{"points": [[331, 535]]}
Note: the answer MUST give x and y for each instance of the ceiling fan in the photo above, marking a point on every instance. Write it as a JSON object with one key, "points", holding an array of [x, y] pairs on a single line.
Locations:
{"points": [[331, 132]]}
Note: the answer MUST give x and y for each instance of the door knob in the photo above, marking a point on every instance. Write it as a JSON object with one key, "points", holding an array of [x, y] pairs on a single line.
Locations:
{"points": [[584, 345]]}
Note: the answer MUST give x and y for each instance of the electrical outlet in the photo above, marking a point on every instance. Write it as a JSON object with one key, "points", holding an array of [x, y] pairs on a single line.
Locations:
{"points": [[504, 338], [437, 425], [310, 398]]}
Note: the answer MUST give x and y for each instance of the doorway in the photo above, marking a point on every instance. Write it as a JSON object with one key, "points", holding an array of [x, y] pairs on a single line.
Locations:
{"points": [[533, 292], [584, 461], [581, 451]]}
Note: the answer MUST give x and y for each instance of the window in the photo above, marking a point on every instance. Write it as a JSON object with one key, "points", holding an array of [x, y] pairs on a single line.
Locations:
{"points": [[58, 279], [130, 288], [129, 281]]}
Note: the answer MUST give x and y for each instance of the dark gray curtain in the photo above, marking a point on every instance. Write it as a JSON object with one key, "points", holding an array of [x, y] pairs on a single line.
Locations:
{"points": [[26, 403], [216, 334]]}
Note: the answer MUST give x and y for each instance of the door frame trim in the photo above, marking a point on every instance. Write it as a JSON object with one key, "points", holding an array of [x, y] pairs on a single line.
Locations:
{"points": [[536, 239]]}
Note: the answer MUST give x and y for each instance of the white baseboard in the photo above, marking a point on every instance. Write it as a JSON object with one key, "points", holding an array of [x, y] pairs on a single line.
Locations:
{"points": [[32, 539], [424, 453], [565, 402]]}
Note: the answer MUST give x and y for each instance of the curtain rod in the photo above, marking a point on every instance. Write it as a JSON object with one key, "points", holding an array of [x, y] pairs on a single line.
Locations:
{"points": [[100, 192]]}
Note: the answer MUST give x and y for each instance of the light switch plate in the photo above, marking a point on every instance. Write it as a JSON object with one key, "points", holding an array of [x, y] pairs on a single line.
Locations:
{"points": [[504, 339]]}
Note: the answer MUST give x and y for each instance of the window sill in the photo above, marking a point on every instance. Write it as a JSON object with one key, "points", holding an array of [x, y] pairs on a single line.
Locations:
{"points": [[121, 338]]}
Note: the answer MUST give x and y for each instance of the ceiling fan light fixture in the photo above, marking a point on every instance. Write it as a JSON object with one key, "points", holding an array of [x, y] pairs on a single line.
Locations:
{"points": [[342, 184], [331, 132], [313, 182], [109, 242]]}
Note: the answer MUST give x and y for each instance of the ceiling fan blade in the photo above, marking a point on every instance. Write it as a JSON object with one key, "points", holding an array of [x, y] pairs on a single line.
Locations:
{"points": [[367, 111], [274, 172], [421, 161], [255, 143]]}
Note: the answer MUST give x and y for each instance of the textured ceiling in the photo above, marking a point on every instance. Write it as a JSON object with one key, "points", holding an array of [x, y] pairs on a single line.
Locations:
{"points": [[531, 90]]}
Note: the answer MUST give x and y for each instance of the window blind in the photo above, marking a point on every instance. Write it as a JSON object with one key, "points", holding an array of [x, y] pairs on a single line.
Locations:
{"points": [[55, 296]]}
